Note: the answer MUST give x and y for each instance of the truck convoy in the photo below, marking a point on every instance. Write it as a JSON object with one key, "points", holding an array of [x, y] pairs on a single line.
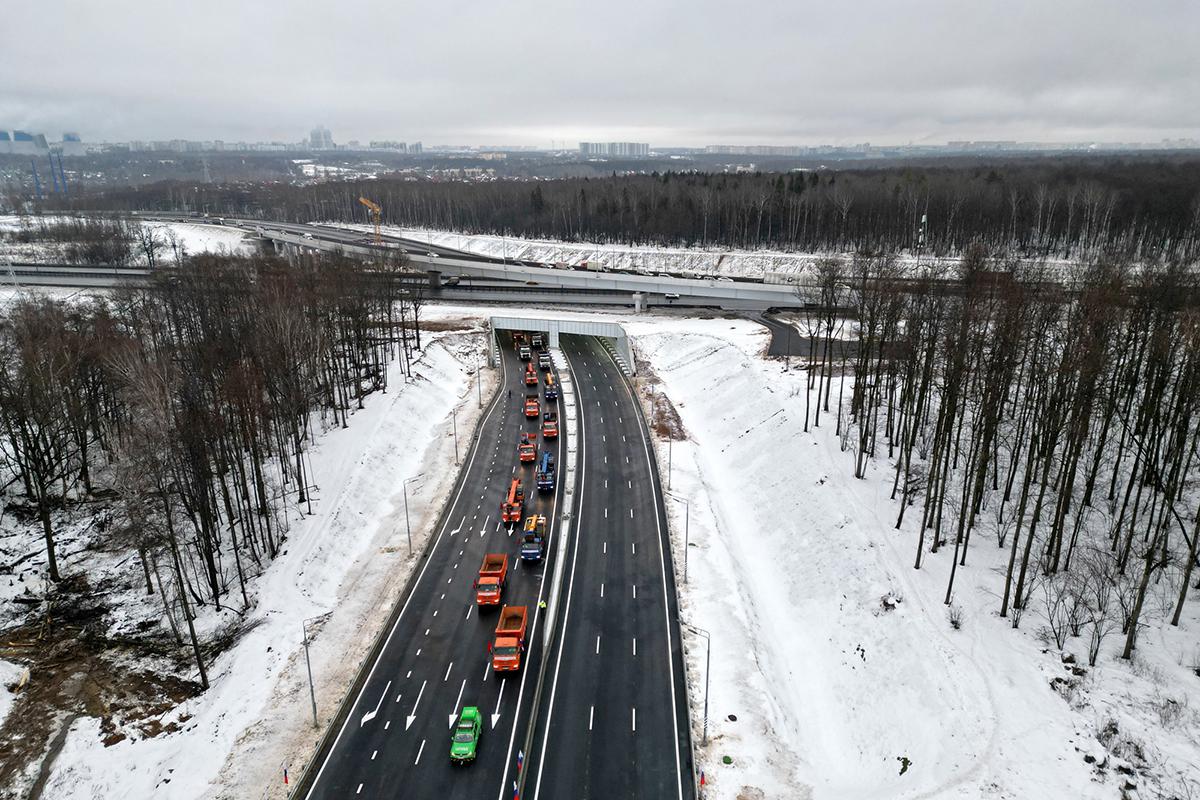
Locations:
{"points": [[511, 507], [527, 448], [545, 473], [550, 425], [493, 574], [531, 376], [531, 406], [533, 542], [551, 387], [510, 639]]}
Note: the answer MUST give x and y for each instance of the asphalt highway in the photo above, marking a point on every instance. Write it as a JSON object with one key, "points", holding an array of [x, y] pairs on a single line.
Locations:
{"points": [[395, 740], [613, 719]]}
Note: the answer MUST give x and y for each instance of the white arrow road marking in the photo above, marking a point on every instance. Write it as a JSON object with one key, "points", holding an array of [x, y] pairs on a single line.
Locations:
{"points": [[486, 520], [454, 716], [370, 715], [413, 714], [496, 713]]}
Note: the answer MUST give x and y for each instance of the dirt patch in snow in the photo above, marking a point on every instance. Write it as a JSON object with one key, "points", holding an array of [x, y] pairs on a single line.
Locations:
{"points": [[75, 670]]}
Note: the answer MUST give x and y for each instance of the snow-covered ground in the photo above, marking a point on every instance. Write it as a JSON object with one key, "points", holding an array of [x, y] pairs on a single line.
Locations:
{"points": [[772, 265], [341, 570], [190, 238], [835, 656]]}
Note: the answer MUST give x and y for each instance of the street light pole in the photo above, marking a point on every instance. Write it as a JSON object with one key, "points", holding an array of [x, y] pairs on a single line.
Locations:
{"points": [[407, 526], [312, 694], [707, 670], [687, 520], [478, 380], [454, 422]]}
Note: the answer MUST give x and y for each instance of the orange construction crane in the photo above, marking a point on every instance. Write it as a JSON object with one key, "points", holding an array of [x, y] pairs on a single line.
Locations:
{"points": [[376, 216]]}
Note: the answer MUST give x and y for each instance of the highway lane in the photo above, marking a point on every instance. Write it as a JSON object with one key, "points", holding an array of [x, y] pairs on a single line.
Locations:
{"points": [[612, 721], [396, 737]]}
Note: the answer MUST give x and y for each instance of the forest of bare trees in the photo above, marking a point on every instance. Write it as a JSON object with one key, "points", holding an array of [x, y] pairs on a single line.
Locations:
{"points": [[189, 407], [1141, 207], [1060, 423]]}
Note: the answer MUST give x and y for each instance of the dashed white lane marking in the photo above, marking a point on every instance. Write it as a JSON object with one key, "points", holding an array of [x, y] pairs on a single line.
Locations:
{"points": [[359, 789], [633, 547], [603, 438], [606, 459], [606, 513], [597, 644], [635, 591], [409, 675], [435, 612], [634, 719], [606, 548], [631, 513], [469, 610], [635, 645], [397, 700], [373, 754], [630, 484], [448, 668], [421, 750], [606, 483], [487, 670], [387, 724], [443, 595], [602, 590]]}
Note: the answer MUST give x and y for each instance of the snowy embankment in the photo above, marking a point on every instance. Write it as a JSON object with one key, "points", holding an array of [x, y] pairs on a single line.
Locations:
{"points": [[836, 656], [342, 569], [773, 265]]}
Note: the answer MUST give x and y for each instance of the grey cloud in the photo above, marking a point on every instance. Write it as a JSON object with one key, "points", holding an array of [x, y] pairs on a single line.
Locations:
{"points": [[669, 72]]}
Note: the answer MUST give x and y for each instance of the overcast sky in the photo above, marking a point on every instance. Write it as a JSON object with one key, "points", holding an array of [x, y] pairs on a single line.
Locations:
{"points": [[669, 73]]}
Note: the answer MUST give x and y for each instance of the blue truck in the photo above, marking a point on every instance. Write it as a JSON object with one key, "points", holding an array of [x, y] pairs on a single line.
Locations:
{"points": [[545, 473]]}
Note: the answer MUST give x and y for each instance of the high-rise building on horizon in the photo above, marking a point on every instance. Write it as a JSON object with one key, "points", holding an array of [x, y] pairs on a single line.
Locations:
{"points": [[320, 138], [614, 149]]}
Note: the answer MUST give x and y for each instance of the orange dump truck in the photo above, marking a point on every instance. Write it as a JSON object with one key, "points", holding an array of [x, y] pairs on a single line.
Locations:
{"points": [[550, 425], [527, 448], [531, 406], [510, 508], [510, 639], [531, 375], [493, 574]]}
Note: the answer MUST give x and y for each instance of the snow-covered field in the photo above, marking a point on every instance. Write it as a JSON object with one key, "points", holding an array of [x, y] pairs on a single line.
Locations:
{"points": [[186, 238], [342, 568]]}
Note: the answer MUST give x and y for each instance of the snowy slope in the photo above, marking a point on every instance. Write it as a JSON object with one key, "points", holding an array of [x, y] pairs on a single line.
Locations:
{"points": [[791, 559]]}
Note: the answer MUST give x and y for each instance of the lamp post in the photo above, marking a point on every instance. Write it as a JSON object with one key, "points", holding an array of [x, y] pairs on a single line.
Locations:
{"points": [[707, 669], [454, 422], [312, 694], [687, 518], [407, 526], [478, 380]]}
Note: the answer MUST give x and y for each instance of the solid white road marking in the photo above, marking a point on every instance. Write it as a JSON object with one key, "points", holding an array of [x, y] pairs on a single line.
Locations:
{"points": [[413, 714], [370, 715]]}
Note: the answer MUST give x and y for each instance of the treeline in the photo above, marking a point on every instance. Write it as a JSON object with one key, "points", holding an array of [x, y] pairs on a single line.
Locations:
{"points": [[1142, 207], [1062, 421], [191, 405]]}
